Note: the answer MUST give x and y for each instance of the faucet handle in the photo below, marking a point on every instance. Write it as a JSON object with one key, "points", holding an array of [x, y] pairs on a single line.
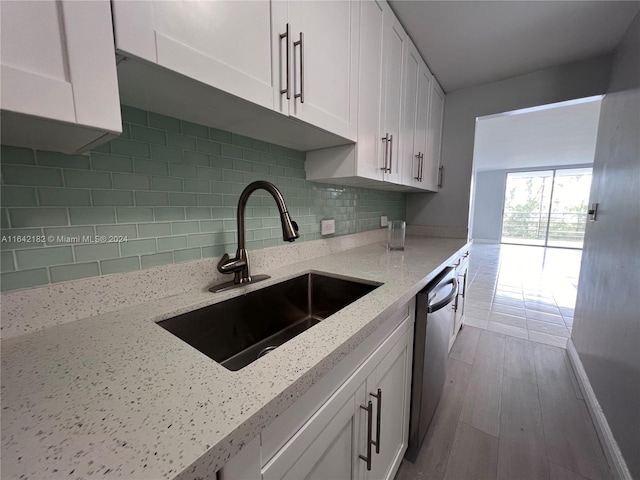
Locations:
{"points": [[230, 265]]}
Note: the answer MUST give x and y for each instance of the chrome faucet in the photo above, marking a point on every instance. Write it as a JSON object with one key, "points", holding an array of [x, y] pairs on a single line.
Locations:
{"points": [[239, 265]]}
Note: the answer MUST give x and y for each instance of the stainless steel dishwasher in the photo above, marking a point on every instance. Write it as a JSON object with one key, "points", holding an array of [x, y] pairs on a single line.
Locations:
{"points": [[433, 328]]}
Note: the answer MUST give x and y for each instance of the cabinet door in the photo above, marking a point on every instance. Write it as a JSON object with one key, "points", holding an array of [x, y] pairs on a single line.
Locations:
{"points": [[324, 62], [391, 379], [325, 448], [222, 43], [422, 124], [410, 151], [394, 40], [434, 138], [58, 64], [369, 148]]}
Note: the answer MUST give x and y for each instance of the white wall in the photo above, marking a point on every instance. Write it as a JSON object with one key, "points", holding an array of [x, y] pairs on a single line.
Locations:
{"points": [[450, 206], [487, 205], [606, 329]]}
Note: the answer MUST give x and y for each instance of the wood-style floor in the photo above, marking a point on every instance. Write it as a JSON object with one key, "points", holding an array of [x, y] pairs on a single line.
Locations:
{"points": [[511, 409]]}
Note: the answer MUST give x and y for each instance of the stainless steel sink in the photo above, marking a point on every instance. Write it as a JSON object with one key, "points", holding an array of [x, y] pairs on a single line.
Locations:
{"points": [[238, 331]]}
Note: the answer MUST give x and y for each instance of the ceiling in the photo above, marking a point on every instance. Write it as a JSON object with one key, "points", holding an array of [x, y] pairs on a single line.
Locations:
{"points": [[468, 43], [559, 134]]}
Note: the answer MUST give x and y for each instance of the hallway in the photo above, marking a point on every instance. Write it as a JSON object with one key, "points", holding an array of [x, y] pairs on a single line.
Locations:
{"points": [[511, 407], [522, 291]]}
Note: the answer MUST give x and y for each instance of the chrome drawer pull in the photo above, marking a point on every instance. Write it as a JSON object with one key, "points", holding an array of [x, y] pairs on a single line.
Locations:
{"points": [[369, 409], [378, 415], [295, 44], [286, 35]]}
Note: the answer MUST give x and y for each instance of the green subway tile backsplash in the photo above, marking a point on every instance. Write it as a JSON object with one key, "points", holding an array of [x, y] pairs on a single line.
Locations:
{"points": [[24, 279], [91, 216], [33, 176], [165, 192], [65, 273], [17, 156], [6, 262], [19, 197], [147, 230], [64, 197], [120, 265], [79, 178], [55, 159], [156, 259], [98, 251], [178, 228], [134, 215], [43, 257], [37, 217], [111, 163], [138, 247]]}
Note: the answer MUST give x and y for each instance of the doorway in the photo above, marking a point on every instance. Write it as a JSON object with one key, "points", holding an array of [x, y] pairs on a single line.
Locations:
{"points": [[546, 207]]}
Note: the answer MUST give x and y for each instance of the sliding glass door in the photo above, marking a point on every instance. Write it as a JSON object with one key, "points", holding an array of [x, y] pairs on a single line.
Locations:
{"points": [[546, 207]]}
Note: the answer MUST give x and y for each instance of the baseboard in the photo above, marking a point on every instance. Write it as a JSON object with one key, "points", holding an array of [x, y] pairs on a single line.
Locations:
{"points": [[609, 444]]}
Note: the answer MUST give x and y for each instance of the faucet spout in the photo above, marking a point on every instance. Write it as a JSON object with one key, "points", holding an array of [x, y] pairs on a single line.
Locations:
{"points": [[240, 264]]}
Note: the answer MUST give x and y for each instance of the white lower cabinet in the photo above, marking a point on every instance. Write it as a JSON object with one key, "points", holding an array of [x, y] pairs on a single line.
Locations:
{"points": [[391, 385], [462, 268], [327, 446], [359, 432]]}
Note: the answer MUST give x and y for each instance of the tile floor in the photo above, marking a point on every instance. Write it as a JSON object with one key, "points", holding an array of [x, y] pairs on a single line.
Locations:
{"points": [[511, 407], [524, 292]]}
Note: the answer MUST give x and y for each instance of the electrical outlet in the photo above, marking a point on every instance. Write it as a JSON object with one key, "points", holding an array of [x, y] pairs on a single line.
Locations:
{"points": [[383, 221], [327, 227]]}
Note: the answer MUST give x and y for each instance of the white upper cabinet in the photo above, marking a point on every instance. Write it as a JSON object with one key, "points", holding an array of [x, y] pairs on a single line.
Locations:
{"points": [[369, 147], [315, 52], [374, 160], [58, 75], [221, 43], [224, 63], [410, 151], [432, 173], [394, 45], [415, 152]]}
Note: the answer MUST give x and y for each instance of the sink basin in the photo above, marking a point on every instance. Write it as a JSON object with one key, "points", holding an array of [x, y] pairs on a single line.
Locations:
{"points": [[238, 331]]}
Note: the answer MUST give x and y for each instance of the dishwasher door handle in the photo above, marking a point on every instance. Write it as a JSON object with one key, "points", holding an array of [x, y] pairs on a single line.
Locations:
{"points": [[434, 307]]}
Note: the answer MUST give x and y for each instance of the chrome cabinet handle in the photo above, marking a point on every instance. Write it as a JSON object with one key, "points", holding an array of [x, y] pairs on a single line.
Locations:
{"points": [[295, 44], [286, 90], [464, 285], [441, 171], [390, 153], [378, 396], [369, 410], [420, 157], [385, 139]]}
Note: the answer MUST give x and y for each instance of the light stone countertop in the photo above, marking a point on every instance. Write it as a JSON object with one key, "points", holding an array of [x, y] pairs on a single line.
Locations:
{"points": [[116, 396]]}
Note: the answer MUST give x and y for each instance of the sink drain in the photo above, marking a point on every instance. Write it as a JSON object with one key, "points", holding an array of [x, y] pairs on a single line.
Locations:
{"points": [[264, 351]]}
